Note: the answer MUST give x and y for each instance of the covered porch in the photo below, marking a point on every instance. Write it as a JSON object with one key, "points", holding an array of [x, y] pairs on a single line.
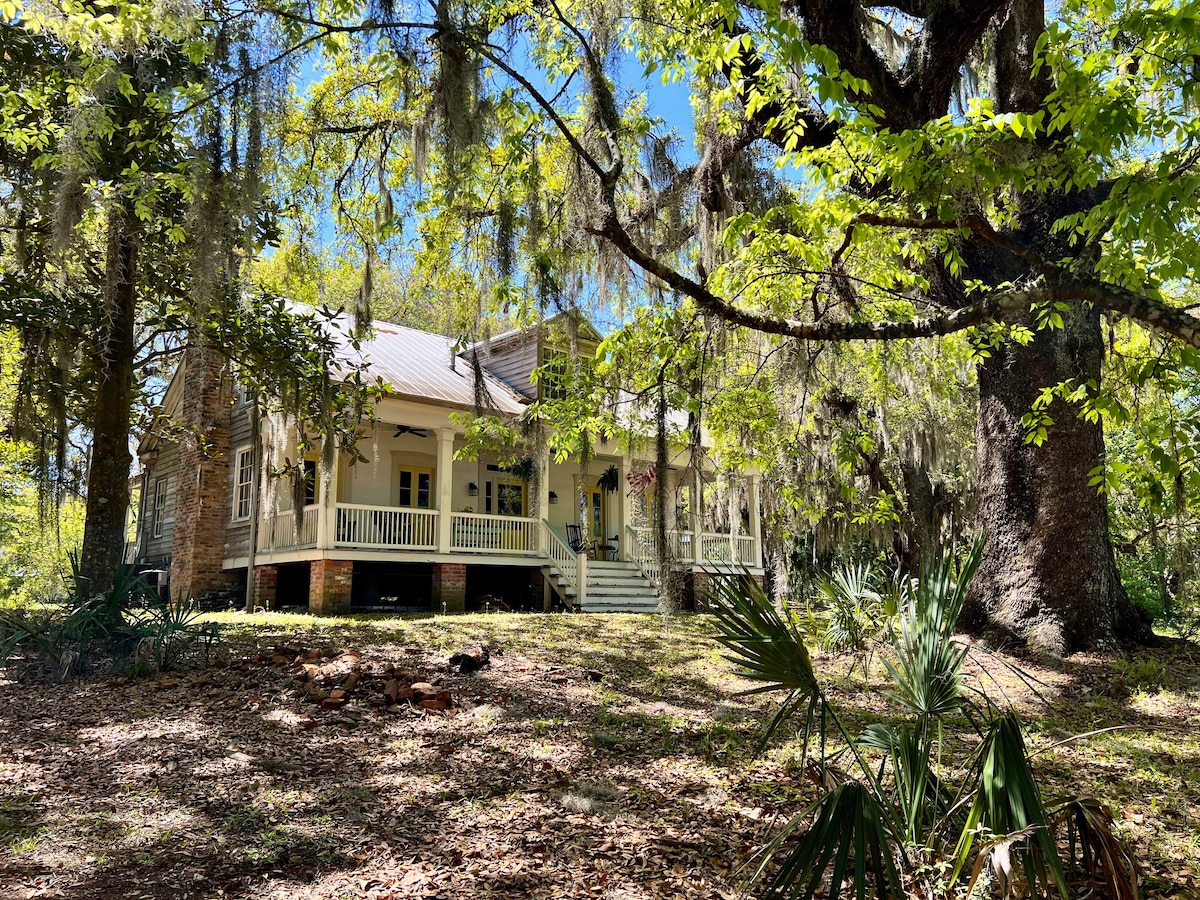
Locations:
{"points": [[406, 498]]}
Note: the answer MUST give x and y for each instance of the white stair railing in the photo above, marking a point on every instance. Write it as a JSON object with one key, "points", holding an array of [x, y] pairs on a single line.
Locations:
{"points": [[569, 565], [644, 556]]}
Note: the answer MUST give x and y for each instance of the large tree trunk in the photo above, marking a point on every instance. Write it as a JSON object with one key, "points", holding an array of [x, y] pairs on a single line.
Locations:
{"points": [[108, 478], [1048, 578]]}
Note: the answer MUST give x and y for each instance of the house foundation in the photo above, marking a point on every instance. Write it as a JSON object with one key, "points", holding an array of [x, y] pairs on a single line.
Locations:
{"points": [[266, 584], [449, 587], [329, 584]]}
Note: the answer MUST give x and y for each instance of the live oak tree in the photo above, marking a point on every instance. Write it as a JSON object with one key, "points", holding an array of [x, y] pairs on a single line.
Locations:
{"points": [[948, 167]]}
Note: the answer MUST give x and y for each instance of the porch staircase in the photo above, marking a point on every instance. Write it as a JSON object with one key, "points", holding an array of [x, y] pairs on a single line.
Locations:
{"points": [[612, 587]]}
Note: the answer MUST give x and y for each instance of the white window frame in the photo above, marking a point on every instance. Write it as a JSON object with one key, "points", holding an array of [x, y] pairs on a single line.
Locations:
{"points": [[160, 505], [243, 490]]}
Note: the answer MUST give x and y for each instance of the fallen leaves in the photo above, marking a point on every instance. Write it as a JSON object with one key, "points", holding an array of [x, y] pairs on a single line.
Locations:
{"points": [[236, 782]]}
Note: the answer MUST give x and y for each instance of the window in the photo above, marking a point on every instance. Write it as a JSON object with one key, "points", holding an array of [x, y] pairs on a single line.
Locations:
{"points": [[160, 506], [312, 490], [416, 487], [554, 376], [243, 484]]}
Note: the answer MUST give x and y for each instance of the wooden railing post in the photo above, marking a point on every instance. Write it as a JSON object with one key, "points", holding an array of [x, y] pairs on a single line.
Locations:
{"points": [[626, 508], [543, 500]]}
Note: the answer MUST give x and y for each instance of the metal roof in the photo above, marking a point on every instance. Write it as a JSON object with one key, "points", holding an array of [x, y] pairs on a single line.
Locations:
{"points": [[423, 365]]}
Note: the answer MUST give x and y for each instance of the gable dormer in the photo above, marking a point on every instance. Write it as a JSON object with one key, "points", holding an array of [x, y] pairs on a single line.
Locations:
{"points": [[513, 355]]}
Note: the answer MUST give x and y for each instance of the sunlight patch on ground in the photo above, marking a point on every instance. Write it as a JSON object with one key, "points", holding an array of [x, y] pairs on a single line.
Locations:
{"points": [[148, 730]]}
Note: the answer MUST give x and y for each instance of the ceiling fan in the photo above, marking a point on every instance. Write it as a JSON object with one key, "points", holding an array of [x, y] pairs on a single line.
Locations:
{"points": [[408, 429]]}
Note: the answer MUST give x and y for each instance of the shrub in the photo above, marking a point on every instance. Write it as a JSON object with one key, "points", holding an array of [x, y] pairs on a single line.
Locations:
{"points": [[849, 611], [894, 814], [127, 620]]}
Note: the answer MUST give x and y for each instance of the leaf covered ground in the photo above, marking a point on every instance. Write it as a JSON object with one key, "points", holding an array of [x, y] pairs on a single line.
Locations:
{"points": [[596, 756]]}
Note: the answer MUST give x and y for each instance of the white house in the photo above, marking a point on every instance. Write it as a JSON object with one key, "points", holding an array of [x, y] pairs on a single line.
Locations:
{"points": [[416, 527]]}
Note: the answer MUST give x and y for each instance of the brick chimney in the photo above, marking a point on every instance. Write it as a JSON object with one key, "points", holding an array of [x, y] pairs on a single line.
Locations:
{"points": [[202, 499]]}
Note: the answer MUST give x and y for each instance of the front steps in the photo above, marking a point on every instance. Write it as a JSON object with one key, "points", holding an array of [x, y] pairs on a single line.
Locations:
{"points": [[611, 587]]}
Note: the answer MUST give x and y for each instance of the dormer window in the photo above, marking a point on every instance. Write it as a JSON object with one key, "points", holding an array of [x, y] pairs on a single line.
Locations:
{"points": [[554, 379]]}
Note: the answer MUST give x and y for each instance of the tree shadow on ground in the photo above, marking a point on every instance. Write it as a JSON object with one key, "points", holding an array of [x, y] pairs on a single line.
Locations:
{"points": [[553, 784]]}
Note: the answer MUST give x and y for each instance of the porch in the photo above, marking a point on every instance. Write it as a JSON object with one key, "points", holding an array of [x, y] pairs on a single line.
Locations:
{"points": [[410, 500], [361, 527]]}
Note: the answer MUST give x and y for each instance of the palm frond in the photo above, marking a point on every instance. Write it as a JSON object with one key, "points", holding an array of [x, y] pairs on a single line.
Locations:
{"points": [[847, 842], [1009, 801], [1097, 851], [853, 609], [759, 641], [918, 793], [927, 673]]}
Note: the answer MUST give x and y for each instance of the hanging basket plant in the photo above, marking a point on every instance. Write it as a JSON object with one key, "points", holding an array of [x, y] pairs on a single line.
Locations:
{"points": [[609, 480]]}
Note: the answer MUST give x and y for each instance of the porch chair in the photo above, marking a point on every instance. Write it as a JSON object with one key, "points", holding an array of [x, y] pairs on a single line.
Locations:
{"points": [[608, 548], [576, 540]]}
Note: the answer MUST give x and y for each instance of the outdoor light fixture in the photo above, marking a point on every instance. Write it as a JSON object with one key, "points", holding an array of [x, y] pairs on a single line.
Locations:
{"points": [[553, 497], [473, 489]]}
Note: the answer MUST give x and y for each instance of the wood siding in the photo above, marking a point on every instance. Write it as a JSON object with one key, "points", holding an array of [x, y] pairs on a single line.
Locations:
{"points": [[237, 534], [514, 362], [166, 466]]}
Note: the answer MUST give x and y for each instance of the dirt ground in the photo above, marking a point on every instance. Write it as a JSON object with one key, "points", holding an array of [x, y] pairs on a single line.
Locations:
{"points": [[594, 757]]}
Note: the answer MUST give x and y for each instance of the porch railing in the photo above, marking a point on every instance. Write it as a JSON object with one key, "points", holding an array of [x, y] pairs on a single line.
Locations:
{"points": [[747, 552], [715, 547], [386, 528], [482, 533], [277, 531], [641, 552], [565, 562]]}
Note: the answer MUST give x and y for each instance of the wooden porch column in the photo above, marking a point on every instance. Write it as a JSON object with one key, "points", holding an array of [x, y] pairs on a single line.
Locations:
{"points": [[543, 500], [625, 509], [734, 527], [752, 500], [444, 478], [327, 505]]}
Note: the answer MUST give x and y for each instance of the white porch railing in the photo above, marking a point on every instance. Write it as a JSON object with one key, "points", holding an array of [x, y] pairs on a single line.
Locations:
{"points": [[715, 547], [747, 552], [386, 528], [277, 531], [483, 533], [571, 566]]}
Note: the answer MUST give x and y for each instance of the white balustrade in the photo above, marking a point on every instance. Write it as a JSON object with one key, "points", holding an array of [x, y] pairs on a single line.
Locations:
{"points": [[747, 552], [483, 533], [565, 561], [277, 531], [714, 547], [386, 528]]}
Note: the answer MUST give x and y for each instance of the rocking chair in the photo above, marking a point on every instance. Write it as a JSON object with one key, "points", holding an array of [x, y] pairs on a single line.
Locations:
{"points": [[576, 540]]}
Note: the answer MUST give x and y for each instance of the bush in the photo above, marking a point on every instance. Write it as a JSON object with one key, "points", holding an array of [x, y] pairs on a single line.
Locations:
{"points": [[127, 621], [849, 611], [893, 814]]}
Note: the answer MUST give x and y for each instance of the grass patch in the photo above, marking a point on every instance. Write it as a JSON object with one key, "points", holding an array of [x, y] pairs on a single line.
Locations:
{"points": [[497, 798]]}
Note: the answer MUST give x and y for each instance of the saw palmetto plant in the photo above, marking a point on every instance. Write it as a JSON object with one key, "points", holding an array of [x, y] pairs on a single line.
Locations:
{"points": [[894, 803]]}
